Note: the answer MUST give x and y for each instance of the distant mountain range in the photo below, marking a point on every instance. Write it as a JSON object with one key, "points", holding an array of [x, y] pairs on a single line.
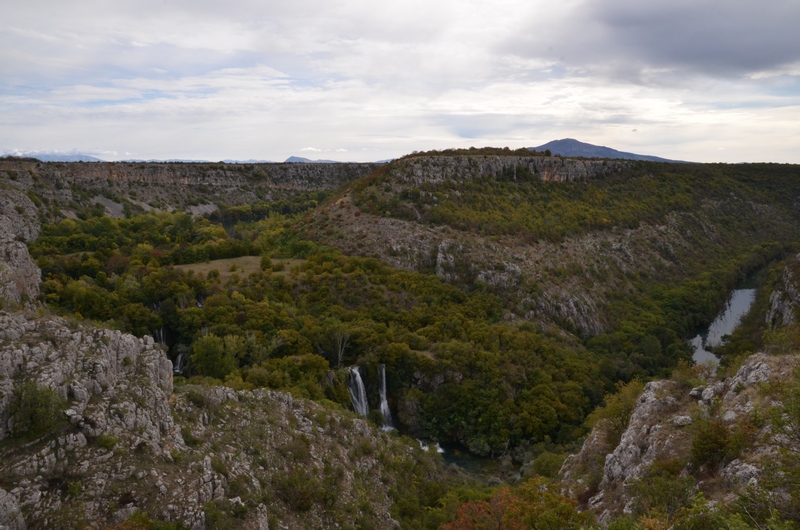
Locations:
{"points": [[56, 157], [572, 147], [566, 147]]}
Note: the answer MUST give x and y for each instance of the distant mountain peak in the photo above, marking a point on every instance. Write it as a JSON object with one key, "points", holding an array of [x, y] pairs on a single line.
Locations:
{"points": [[301, 160], [573, 148]]}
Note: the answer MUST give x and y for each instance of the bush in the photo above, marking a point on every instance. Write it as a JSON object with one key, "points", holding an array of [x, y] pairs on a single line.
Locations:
{"points": [[107, 441], [299, 490], [548, 464], [713, 444], [662, 493], [218, 465], [35, 410]]}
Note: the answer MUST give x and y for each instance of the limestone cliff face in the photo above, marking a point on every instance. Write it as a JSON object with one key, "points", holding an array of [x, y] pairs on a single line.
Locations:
{"points": [[19, 276], [437, 169], [83, 364], [10, 514], [166, 186], [660, 429], [115, 385], [785, 299]]}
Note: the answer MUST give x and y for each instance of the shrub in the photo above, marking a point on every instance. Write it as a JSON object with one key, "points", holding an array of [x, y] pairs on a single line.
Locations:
{"points": [[714, 443], [196, 397], [188, 437], [661, 492], [107, 441], [218, 465], [548, 464], [35, 410], [299, 490], [210, 357]]}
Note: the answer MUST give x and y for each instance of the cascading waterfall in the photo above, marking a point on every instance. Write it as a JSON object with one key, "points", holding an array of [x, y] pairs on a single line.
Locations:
{"points": [[161, 335], [178, 366], [387, 414], [358, 395]]}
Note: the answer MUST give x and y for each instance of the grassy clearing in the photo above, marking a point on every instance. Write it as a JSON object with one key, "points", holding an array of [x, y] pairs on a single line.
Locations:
{"points": [[245, 265]]}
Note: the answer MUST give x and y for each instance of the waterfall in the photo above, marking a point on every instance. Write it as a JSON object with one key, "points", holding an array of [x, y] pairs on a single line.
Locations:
{"points": [[358, 395], [178, 366], [387, 414], [161, 335]]}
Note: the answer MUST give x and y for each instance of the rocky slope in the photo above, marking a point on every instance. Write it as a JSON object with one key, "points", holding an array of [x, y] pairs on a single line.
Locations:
{"points": [[131, 444], [785, 298], [569, 281], [19, 276], [196, 187], [661, 430]]}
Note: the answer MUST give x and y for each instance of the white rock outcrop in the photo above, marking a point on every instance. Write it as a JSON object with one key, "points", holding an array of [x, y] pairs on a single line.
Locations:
{"points": [[19, 275], [660, 429]]}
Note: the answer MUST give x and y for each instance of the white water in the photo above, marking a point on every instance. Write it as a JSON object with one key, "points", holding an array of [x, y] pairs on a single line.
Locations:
{"points": [[161, 335], [358, 395], [427, 447], [178, 367], [387, 414], [738, 306]]}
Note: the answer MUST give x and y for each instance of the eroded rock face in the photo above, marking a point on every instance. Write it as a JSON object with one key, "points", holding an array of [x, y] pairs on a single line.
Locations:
{"points": [[10, 513], [435, 169], [641, 441], [167, 186], [116, 385], [660, 429], [19, 275], [91, 368], [785, 299], [18, 217]]}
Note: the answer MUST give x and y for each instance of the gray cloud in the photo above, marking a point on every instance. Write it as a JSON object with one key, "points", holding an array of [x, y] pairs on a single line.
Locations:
{"points": [[630, 38]]}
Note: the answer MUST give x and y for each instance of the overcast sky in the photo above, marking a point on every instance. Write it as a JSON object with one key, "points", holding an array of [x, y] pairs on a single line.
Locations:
{"points": [[703, 80]]}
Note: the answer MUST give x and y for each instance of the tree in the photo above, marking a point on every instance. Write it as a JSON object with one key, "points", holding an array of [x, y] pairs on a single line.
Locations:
{"points": [[209, 357], [533, 505], [337, 339]]}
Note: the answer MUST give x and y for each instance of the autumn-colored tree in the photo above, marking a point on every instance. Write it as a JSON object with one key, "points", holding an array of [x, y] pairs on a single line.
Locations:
{"points": [[531, 506]]}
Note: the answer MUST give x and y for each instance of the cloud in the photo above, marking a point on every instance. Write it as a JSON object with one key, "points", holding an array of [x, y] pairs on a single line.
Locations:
{"points": [[311, 149], [258, 77], [649, 40]]}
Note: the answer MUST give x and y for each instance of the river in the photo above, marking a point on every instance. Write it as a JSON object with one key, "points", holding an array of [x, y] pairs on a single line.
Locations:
{"points": [[737, 306]]}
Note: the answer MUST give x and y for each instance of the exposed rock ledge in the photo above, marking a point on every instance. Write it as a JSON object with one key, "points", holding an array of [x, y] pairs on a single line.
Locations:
{"points": [[659, 430], [19, 275]]}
